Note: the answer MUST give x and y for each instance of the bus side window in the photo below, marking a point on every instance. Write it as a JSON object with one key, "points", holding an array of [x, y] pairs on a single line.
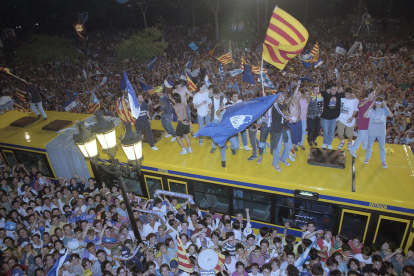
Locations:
{"points": [[210, 195], [153, 184], [259, 204], [354, 223]]}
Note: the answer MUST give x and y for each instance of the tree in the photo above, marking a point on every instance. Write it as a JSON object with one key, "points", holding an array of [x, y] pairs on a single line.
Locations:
{"points": [[215, 6], [141, 47], [46, 48]]}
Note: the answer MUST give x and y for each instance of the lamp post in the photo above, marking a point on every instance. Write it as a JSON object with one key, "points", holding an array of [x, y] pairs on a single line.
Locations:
{"points": [[131, 144]]}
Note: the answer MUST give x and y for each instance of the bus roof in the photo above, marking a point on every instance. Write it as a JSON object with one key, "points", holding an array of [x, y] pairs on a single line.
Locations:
{"points": [[376, 188], [32, 136]]}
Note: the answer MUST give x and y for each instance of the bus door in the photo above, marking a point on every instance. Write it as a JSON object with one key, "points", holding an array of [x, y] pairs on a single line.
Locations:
{"points": [[354, 223], [178, 187], [393, 229]]}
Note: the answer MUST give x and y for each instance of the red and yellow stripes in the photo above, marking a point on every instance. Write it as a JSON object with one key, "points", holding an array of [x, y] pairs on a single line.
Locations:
{"points": [[315, 53], [123, 112], [285, 38], [190, 84], [225, 59], [183, 261], [256, 70]]}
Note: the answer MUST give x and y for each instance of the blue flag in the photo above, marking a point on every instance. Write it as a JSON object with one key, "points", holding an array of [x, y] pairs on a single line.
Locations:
{"points": [[306, 56], [133, 101], [221, 72], [236, 87], [248, 74], [306, 79], [145, 87], [58, 264], [189, 63], [168, 84], [193, 46], [237, 118], [151, 63]]}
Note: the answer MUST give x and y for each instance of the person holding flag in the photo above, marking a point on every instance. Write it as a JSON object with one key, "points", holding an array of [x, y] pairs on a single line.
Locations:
{"points": [[36, 98]]}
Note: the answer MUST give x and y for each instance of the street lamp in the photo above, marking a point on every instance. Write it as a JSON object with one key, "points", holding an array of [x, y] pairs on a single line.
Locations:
{"points": [[131, 143]]}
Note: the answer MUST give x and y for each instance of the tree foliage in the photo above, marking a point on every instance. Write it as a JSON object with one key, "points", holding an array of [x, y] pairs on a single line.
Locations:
{"points": [[141, 47], [44, 48]]}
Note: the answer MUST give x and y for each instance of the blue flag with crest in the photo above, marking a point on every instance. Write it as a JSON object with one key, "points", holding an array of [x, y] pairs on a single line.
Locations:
{"points": [[248, 74], [236, 119]]}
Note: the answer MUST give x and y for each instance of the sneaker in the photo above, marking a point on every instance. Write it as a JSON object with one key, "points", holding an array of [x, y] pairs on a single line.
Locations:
{"points": [[315, 144], [384, 165], [310, 143], [349, 145], [168, 135], [291, 158], [341, 145], [246, 148], [295, 148], [259, 160], [189, 150], [286, 163], [212, 150], [182, 138], [329, 146], [233, 151], [324, 146], [302, 147], [277, 168], [45, 118], [192, 134], [183, 151], [353, 153], [223, 164], [293, 152], [154, 148], [173, 139], [253, 157], [201, 142], [366, 161]]}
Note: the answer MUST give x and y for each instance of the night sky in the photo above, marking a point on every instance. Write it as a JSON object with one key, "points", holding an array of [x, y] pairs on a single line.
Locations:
{"points": [[57, 16]]}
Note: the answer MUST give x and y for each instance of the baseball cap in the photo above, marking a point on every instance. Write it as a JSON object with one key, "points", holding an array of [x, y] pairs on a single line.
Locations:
{"points": [[24, 244]]}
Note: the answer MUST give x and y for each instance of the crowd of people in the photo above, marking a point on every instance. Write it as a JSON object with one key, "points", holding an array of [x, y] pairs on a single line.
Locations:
{"points": [[364, 98], [87, 224]]}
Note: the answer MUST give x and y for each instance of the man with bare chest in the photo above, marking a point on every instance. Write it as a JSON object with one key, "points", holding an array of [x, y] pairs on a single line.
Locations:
{"points": [[294, 110]]}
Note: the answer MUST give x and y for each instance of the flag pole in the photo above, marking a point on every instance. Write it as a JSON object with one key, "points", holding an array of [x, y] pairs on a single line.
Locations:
{"points": [[261, 76]]}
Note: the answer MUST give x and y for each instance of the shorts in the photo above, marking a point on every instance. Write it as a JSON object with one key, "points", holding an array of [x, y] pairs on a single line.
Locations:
{"points": [[182, 129], [349, 131]]}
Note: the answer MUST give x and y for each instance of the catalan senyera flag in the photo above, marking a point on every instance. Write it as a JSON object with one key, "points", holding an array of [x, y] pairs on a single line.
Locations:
{"points": [[314, 53], [225, 59], [211, 52], [22, 98], [94, 104], [256, 70], [243, 62], [24, 110], [123, 112], [190, 84], [285, 38], [220, 262], [183, 261]]}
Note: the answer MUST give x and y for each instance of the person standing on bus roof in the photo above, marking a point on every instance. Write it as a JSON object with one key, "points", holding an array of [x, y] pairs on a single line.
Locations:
{"points": [[36, 98], [202, 103], [143, 122], [331, 109], [165, 112], [280, 131]]}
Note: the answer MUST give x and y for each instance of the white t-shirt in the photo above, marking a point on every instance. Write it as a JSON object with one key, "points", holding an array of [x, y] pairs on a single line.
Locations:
{"points": [[348, 107], [198, 99], [217, 106]]}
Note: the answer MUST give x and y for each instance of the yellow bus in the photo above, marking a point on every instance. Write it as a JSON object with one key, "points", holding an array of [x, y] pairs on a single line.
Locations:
{"points": [[380, 209]]}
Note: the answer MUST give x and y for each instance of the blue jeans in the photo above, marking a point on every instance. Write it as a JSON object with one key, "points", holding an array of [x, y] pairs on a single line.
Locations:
{"points": [[381, 143], [264, 132], [328, 131], [166, 124], [302, 140], [202, 120], [361, 139], [7, 106], [244, 138], [39, 106], [286, 150]]}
